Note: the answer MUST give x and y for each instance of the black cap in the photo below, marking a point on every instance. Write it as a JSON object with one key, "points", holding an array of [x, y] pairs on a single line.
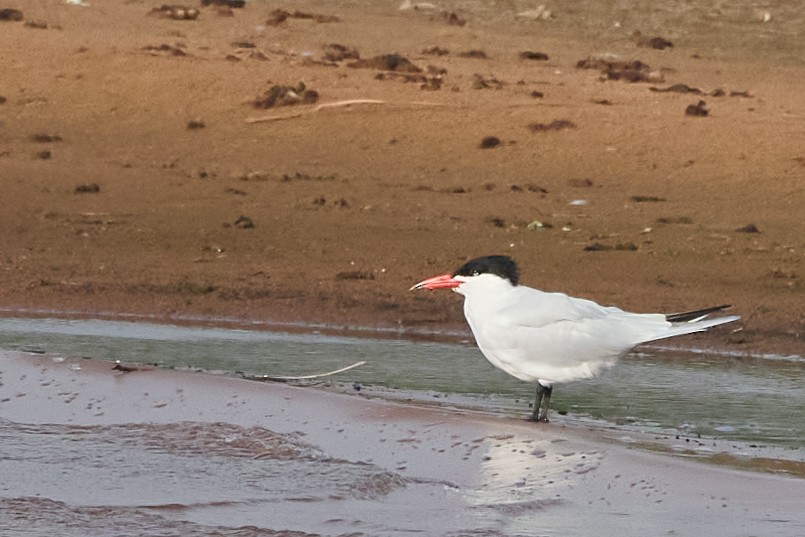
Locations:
{"points": [[499, 265]]}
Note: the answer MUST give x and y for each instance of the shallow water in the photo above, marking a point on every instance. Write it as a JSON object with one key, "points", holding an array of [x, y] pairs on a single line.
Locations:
{"points": [[713, 395], [216, 478]]}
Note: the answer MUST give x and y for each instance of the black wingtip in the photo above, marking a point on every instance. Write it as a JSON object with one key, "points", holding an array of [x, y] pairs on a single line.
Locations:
{"points": [[687, 316]]}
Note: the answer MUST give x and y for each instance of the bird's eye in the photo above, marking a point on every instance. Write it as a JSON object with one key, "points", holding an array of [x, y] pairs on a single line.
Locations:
{"points": [[476, 273]]}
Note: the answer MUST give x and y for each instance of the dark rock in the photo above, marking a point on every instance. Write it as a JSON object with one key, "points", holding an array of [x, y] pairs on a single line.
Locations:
{"points": [[697, 110], [531, 55], [748, 228], [489, 142], [90, 188], [10, 14]]}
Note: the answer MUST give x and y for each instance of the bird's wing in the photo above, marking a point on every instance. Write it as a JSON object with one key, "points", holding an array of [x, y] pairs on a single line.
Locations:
{"points": [[532, 308], [551, 336]]}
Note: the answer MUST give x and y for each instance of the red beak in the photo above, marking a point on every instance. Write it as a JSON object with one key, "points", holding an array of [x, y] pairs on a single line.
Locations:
{"points": [[444, 281]]}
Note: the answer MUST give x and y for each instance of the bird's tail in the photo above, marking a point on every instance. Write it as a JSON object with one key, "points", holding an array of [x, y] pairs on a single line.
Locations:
{"points": [[690, 322], [695, 315]]}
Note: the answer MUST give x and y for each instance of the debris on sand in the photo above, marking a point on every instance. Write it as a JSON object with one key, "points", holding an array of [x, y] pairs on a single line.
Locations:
{"points": [[535, 225], [489, 142], [299, 176], [426, 82], [482, 82], [89, 188], [748, 228], [762, 15], [355, 275], [684, 88], [452, 19], [530, 187], [278, 16], [43, 138], [281, 95], [40, 25], [246, 53], [555, 125], [337, 104], [126, 368], [474, 53], [337, 53], [387, 62], [581, 183], [235, 4], [408, 5], [397, 67], [10, 14], [533, 55], [598, 247], [196, 123], [697, 110], [646, 199], [165, 50], [175, 12], [436, 51], [674, 220], [677, 88], [659, 43], [244, 222], [539, 13], [629, 71]]}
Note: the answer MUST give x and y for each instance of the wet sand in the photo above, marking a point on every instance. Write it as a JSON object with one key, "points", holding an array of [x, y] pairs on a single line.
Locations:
{"points": [[367, 467], [133, 183]]}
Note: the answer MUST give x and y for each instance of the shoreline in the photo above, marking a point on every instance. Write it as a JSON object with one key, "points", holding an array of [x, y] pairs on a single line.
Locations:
{"points": [[450, 333], [766, 458], [468, 465]]}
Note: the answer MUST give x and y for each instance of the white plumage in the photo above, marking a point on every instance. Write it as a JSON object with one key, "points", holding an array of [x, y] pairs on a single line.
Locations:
{"points": [[551, 337]]}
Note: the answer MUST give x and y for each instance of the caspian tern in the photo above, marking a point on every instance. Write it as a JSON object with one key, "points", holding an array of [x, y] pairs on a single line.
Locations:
{"points": [[550, 338]]}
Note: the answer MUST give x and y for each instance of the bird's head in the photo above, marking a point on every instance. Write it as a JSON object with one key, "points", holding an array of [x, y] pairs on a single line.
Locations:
{"points": [[490, 268]]}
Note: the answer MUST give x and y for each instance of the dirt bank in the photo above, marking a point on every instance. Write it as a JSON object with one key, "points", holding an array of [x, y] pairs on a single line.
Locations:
{"points": [[132, 182]]}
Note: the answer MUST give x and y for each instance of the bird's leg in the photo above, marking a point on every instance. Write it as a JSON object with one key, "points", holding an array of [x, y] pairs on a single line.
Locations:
{"points": [[546, 401], [543, 395]]}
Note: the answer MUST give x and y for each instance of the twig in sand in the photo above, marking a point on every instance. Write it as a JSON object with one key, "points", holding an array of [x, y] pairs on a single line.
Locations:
{"points": [[336, 104], [305, 377]]}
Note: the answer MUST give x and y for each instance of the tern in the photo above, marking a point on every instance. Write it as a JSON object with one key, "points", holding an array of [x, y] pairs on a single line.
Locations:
{"points": [[550, 338]]}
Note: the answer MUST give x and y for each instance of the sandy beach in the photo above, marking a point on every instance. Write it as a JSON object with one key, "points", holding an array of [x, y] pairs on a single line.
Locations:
{"points": [[133, 182]]}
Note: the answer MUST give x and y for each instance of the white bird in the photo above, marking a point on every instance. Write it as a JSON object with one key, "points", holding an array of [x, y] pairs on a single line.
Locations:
{"points": [[550, 338]]}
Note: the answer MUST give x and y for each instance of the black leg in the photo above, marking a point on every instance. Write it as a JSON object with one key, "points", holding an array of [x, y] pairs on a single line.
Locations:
{"points": [[542, 401]]}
